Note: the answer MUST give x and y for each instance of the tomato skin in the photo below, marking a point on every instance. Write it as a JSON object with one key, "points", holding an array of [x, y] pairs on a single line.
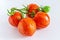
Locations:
{"points": [[42, 20], [14, 19], [33, 7], [27, 27]]}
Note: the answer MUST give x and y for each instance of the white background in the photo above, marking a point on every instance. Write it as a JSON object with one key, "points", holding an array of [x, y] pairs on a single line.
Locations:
{"points": [[52, 32]]}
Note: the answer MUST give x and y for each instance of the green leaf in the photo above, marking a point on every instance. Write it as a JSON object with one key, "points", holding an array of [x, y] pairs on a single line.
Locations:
{"points": [[46, 9]]}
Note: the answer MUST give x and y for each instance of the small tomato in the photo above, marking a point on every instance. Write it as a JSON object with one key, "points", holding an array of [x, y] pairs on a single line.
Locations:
{"points": [[27, 26], [42, 20]]}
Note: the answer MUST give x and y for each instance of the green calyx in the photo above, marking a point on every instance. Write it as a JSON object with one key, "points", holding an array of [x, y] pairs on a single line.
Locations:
{"points": [[44, 9], [32, 14], [23, 11], [11, 12]]}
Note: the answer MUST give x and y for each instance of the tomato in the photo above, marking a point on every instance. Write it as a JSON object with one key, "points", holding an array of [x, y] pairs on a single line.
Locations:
{"points": [[42, 20], [27, 26], [32, 9], [14, 19]]}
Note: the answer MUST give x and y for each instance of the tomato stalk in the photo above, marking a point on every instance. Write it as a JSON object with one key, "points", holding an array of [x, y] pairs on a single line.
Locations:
{"points": [[32, 14], [23, 11]]}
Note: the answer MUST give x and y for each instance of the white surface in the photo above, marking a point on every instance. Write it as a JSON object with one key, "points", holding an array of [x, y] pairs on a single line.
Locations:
{"points": [[7, 32]]}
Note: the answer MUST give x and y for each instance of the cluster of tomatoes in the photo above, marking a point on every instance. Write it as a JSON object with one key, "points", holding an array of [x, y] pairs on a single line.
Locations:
{"points": [[29, 18]]}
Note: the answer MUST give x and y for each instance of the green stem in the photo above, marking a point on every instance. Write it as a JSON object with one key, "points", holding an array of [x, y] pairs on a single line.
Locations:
{"points": [[26, 8], [23, 11]]}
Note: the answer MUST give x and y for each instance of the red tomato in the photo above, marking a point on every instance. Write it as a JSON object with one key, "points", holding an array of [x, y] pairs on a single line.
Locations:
{"points": [[14, 19], [27, 27], [42, 20], [33, 7]]}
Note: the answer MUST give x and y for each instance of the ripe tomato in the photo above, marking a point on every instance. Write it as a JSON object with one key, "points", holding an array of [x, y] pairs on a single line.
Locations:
{"points": [[42, 20], [14, 19], [27, 27], [32, 9]]}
